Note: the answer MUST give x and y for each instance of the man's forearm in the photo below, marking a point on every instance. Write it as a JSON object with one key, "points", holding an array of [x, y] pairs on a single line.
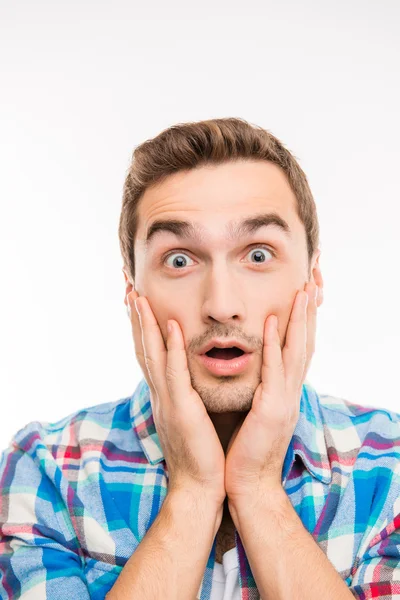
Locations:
{"points": [[170, 561], [284, 558]]}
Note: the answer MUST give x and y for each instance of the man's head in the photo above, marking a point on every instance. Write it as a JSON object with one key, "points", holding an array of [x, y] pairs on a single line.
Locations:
{"points": [[217, 280]]}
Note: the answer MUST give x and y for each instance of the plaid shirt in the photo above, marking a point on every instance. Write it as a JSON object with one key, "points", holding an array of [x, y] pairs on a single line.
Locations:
{"points": [[78, 496]]}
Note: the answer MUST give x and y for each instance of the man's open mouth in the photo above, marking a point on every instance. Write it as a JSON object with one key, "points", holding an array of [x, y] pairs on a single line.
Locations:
{"points": [[224, 353]]}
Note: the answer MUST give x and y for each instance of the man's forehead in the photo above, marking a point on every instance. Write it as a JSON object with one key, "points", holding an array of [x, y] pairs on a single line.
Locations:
{"points": [[224, 186], [244, 177], [202, 200], [236, 228]]}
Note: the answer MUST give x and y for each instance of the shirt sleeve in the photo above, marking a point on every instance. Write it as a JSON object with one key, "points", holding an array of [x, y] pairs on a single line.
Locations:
{"points": [[378, 573], [37, 562]]}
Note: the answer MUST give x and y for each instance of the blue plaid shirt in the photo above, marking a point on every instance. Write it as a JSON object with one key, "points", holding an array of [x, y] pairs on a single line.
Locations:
{"points": [[78, 496]]}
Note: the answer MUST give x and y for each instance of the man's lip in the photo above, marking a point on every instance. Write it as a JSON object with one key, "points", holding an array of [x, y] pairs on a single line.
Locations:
{"points": [[225, 343], [222, 368], [244, 351]]}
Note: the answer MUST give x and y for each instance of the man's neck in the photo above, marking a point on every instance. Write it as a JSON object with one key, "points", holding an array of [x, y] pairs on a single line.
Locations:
{"points": [[225, 424]]}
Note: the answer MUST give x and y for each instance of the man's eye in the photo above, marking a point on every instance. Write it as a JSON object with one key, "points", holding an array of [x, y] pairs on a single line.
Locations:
{"points": [[260, 260], [180, 262]]}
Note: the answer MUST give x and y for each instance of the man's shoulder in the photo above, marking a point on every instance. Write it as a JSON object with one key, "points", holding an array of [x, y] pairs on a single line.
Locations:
{"points": [[341, 410], [348, 422], [94, 422]]}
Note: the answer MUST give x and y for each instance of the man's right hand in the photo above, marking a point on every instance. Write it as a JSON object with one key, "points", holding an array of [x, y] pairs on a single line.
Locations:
{"points": [[193, 453]]}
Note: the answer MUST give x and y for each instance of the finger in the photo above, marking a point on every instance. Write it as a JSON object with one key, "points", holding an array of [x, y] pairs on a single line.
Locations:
{"points": [[151, 350], [294, 352], [136, 329], [272, 366], [312, 310], [137, 332], [177, 371]]}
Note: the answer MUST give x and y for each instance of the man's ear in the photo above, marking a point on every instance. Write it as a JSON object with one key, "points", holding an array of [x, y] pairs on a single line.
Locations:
{"points": [[129, 286], [316, 276]]}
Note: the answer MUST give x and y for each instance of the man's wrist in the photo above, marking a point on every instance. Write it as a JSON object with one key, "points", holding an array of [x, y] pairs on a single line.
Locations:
{"points": [[187, 499], [275, 501]]}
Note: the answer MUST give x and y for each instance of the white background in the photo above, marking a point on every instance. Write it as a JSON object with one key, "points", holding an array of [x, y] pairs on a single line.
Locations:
{"points": [[83, 83]]}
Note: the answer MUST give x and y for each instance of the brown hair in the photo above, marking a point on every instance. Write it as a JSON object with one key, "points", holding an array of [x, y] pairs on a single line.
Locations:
{"points": [[186, 146]]}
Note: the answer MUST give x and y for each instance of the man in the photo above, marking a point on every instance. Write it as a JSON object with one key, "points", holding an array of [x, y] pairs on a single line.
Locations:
{"points": [[225, 475]]}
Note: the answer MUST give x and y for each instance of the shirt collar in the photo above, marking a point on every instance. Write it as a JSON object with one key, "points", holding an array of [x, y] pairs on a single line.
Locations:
{"points": [[308, 441]]}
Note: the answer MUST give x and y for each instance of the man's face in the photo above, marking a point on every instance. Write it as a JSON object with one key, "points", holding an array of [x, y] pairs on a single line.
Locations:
{"points": [[221, 287]]}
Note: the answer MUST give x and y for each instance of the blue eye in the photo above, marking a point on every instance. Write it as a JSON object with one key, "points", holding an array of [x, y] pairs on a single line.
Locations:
{"points": [[264, 247], [179, 262]]}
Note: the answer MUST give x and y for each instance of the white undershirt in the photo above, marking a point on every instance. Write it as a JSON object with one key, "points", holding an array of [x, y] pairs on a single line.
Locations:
{"points": [[225, 581]]}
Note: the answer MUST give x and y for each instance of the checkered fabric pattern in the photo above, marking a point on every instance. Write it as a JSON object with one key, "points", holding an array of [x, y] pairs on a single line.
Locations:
{"points": [[77, 497]]}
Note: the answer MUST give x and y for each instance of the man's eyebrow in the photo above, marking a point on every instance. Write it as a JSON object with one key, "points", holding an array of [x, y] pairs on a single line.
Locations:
{"points": [[235, 229]]}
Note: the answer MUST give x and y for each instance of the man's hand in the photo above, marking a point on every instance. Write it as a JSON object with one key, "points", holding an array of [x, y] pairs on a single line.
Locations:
{"points": [[258, 446], [193, 453]]}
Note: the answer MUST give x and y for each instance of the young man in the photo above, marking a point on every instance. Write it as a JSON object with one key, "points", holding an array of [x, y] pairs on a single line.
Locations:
{"points": [[225, 475]]}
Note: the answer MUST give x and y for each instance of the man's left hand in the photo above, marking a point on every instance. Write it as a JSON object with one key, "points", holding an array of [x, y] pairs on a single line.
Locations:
{"points": [[258, 446]]}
